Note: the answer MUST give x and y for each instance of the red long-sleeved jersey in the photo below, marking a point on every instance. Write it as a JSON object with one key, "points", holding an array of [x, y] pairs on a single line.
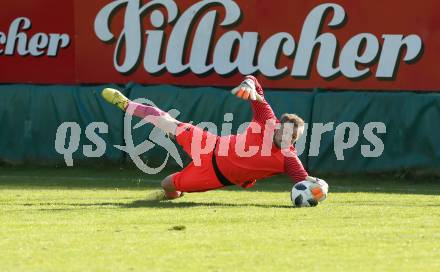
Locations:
{"points": [[252, 155]]}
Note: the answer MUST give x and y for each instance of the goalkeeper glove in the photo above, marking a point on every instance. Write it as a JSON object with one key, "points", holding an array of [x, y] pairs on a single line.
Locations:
{"points": [[319, 192], [246, 90]]}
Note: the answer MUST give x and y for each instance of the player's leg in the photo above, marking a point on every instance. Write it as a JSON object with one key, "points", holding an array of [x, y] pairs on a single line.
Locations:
{"points": [[152, 114], [169, 189], [194, 178], [191, 179]]}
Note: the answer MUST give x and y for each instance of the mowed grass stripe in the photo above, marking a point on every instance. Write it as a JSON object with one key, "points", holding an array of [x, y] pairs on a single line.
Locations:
{"points": [[86, 226]]}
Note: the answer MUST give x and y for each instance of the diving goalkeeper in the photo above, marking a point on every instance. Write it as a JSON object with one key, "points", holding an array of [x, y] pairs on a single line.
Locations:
{"points": [[263, 150]]}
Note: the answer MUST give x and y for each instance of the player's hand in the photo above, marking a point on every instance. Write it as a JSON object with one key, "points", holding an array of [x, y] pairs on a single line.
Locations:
{"points": [[319, 192], [247, 91]]}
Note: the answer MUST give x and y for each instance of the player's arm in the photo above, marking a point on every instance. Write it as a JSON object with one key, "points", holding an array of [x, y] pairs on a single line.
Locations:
{"points": [[295, 170], [250, 89]]}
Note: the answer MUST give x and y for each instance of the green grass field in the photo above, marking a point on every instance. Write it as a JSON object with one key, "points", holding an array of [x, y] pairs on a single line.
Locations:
{"points": [[97, 220]]}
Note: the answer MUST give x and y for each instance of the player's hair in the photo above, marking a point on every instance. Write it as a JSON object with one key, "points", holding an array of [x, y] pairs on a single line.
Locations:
{"points": [[296, 121], [292, 118]]}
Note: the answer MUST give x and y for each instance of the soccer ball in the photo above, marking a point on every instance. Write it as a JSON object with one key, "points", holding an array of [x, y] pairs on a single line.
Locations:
{"points": [[308, 193]]}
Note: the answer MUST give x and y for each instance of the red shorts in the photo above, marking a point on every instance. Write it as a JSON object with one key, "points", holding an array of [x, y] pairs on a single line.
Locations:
{"points": [[199, 176]]}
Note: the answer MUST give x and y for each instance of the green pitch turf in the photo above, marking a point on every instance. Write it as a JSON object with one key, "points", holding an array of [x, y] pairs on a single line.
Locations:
{"points": [[97, 220]]}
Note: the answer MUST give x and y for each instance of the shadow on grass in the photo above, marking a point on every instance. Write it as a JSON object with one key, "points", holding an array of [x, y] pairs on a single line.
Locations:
{"points": [[189, 204], [154, 204], [151, 204], [67, 179]]}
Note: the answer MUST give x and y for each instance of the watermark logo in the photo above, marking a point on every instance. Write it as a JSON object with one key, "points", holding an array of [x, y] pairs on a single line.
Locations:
{"points": [[156, 137], [68, 137], [345, 136]]}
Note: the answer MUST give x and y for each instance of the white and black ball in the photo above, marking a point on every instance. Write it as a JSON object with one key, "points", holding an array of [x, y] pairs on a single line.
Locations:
{"points": [[309, 194]]}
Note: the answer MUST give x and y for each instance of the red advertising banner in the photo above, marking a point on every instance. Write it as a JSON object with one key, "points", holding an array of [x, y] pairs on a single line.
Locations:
{"points": [[289, 44], [36, 42]]}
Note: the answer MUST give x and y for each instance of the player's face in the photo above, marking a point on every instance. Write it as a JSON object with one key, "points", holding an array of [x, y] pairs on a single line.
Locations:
{"points": [[287, 135]]}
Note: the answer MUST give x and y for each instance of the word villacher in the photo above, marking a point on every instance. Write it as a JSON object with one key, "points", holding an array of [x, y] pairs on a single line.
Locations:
{"points": [[354, 59], [16, 40]]}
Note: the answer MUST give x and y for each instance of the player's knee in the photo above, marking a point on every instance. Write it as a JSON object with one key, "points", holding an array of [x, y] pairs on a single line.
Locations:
{"points": [[167, 184]]}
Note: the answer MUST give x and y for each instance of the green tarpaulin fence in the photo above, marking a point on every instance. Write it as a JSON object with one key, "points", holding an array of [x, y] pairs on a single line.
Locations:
{"points": [[412, 130], [30, 116]]}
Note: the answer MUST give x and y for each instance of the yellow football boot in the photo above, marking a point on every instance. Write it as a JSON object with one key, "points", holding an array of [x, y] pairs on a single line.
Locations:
{"points": [[115, 97]]}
